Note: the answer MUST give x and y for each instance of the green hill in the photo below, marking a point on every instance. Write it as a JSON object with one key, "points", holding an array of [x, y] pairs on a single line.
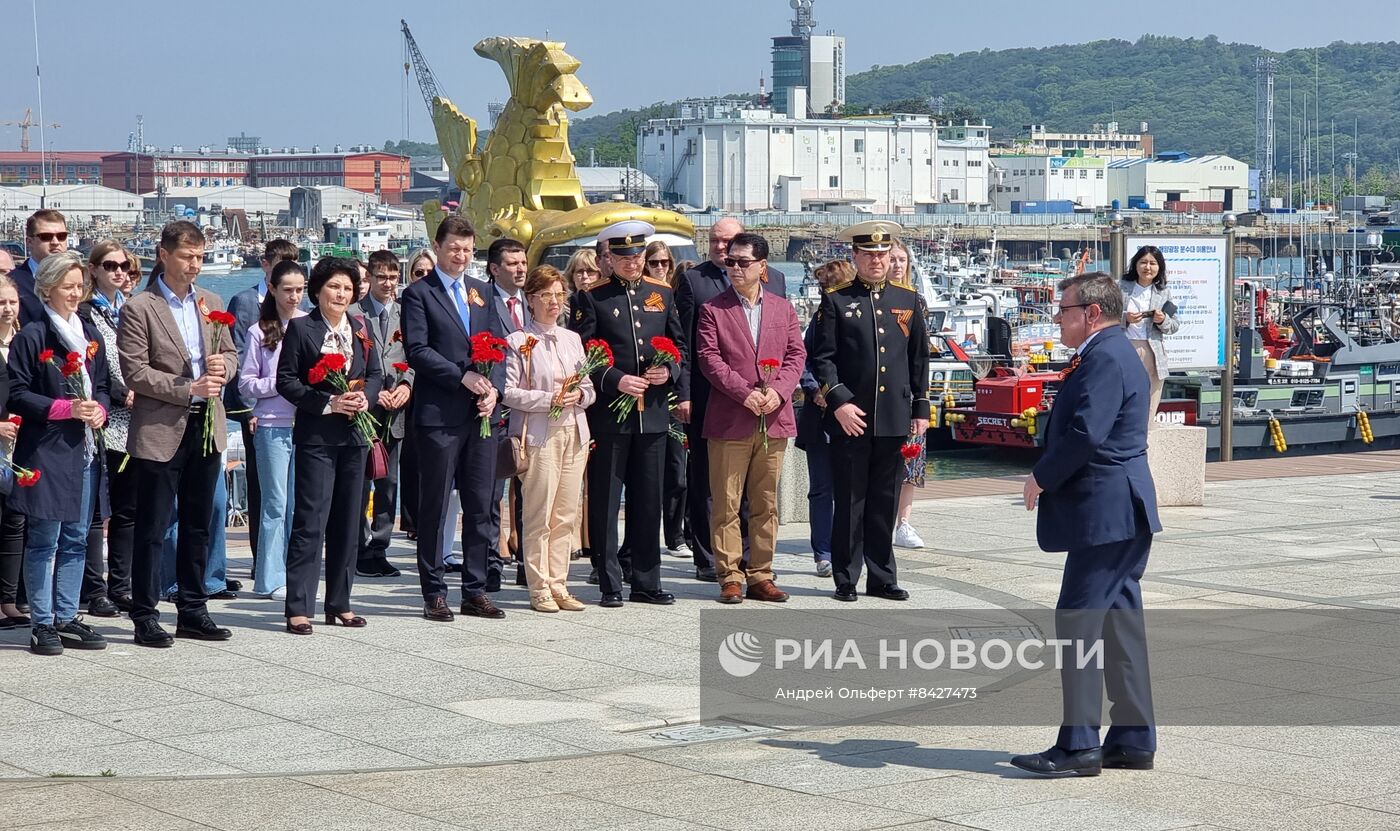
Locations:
{"points": [[1195, 94]]}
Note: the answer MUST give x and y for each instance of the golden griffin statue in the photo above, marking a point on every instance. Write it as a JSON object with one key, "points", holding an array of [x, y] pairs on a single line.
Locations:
{"points": [[523, 184]]}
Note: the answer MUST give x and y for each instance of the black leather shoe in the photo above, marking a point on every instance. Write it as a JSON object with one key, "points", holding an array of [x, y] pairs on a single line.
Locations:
{"points": [[493, 582], [438, 610], [1058, 762], [705, 574], [101, 606], [611, 601], [149, 633], [846, 592], [233, 585], [121, 601], [1127, 758], [520, 576], [890, 592], [593, 577], [656, 597], [202, 628], [481, 606], [224, 595], [375, 567]]}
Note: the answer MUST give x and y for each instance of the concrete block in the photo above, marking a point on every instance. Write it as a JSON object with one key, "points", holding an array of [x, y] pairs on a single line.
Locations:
{"points": [[792, 487], [1177, 457]]}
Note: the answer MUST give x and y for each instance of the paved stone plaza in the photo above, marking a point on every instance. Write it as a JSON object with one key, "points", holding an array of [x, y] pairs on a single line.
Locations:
{"points": [[587, 720]]}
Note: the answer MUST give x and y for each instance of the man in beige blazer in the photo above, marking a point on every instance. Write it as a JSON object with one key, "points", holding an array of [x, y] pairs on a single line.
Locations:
{"points": [[176, 362]]}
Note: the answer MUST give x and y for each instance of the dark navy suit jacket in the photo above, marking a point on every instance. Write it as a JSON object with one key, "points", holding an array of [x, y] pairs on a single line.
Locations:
{"points": [[439, 353], [1098, 488], [31, 308]]}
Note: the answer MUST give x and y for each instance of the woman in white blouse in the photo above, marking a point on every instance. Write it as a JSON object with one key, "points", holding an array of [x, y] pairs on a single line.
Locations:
{"points": [[543, 356], [1148, 314]]}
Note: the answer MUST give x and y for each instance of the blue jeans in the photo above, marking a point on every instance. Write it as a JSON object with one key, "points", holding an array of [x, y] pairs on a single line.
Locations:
{"points": [[54, 554], [273, 446], [215, 576], [821, 498]]}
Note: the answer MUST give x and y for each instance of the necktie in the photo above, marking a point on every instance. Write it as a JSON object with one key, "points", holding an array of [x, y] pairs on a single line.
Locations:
{"points": [[513, 304], [462, 311], [384, 322]]}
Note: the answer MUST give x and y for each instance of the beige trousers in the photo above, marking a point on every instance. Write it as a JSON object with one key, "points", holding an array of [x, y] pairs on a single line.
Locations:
{"points": [[1149, 362], [549, 496], [736, 465]]}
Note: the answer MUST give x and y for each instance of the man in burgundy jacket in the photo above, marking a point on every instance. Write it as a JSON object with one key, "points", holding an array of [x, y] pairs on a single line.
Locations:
{"points": [[749, 347]]}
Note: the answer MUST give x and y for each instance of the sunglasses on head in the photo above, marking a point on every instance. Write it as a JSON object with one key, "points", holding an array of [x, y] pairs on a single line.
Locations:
{"points": [[50, 236]]}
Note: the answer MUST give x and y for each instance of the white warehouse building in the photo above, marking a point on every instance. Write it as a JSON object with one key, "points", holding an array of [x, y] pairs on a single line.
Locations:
{"points": [[748, 160], [1179, 177], [1031, 178]]}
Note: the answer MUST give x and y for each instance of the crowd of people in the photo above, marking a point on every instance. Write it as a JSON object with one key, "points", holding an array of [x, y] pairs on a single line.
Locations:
{"points": [[543, 398]]}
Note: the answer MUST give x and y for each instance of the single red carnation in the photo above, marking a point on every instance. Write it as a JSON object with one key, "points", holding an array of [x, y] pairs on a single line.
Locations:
{"points": [[401, 367], [335, 362], [222, 318], [28, 480], [317, 374], [15, 420], [46, 357], [70, 368], [910, 451]]}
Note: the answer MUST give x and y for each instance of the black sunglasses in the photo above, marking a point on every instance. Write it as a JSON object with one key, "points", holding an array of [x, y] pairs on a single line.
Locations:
{"points": [[50, 236], [736, 263], [422, 272], [112, 266]]}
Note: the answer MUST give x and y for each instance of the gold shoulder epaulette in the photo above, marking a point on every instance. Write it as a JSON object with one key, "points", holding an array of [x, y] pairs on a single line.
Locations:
{"points": [[600, 284], [655, 282], [839, 286]]}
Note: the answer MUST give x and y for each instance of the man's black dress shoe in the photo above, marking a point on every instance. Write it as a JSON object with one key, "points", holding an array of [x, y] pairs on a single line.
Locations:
{"points": [[655, 597], [846, 592], [705, 574], [493, 581], [375, 567], [224, 595], [592, 577], [481, 606], [611, 601], [438, 610], [121, 601], [1058, 762], [149, 633], [101, 606], [202, 628], [234, 585], [1127, 758], [890, 592]]}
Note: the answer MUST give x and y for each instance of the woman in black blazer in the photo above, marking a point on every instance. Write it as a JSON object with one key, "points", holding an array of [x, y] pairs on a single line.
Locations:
{"points": [[60, 439], [328, 482]]}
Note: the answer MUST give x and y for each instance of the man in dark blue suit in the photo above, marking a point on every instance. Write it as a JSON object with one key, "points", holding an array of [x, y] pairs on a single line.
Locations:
{"points": [[440, 312], [1097, 502], [45, 233], [697, 287]]}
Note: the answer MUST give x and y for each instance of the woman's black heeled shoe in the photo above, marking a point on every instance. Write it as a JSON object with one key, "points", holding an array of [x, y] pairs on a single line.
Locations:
{"points": [[299, 628], [352, 622]]}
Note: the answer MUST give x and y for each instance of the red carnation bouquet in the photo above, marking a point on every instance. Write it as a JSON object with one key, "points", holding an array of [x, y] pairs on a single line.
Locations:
{"points": [[766, 368], [487, 351], [23, 475], [596, 355], [331, 368], [219, 320], [72, 372], [666, 353]]}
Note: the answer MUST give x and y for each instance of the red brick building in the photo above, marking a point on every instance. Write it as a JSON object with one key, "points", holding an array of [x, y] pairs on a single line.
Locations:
{"points": [[64, 167]]}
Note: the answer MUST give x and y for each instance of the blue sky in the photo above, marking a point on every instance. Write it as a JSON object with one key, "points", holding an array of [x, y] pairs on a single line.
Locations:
{"points": [[320, 72]]}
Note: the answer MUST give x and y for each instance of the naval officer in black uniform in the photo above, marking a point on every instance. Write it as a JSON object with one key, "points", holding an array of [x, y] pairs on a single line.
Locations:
{"points": [[627, 310], [869, 355]]}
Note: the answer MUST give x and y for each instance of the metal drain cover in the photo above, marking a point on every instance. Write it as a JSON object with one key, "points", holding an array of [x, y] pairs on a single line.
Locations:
{"points": [[1006, 633], [706, 733]]}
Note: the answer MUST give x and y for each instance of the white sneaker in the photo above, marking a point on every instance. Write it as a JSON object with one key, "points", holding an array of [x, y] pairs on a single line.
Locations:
{"points": [[681, 550], [906, 537], [823, 568], [279, 593]]}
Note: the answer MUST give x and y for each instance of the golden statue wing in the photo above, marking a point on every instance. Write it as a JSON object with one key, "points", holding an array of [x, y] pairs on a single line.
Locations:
{"points": [[456, 133]]}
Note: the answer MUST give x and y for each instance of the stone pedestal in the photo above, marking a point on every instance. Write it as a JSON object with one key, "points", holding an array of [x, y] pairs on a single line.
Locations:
{"points": [[1177, 457], [792, 487]]}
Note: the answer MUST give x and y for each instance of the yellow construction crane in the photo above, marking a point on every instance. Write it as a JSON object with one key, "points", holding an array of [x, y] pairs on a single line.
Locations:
{"points": [[24, 128]]}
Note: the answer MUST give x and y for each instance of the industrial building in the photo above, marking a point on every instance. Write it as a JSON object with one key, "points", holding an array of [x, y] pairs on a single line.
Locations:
{"points": [[756, 159], [361, 168], [84, 205], [1101, 141], [1078, 179], [816, 63], [1171, 180], [58, 167]]}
